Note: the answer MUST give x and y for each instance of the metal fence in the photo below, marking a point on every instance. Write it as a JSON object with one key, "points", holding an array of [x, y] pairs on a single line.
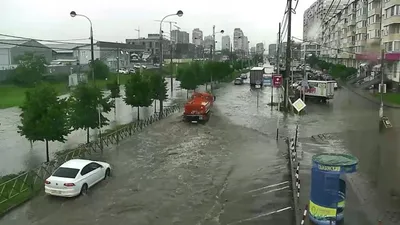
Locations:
{"points": [[21, 188]]}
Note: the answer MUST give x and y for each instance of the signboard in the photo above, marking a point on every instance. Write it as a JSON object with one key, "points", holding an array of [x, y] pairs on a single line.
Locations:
{"points": [[277, 80], [299, 105]]}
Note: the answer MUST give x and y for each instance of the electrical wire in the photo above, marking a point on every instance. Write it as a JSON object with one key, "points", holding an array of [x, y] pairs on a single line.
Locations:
{"points": [[329, 9], [44, 40], [326, 47], [60, 48]]}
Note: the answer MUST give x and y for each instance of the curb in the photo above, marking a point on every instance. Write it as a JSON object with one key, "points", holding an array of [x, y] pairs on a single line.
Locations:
{"points": [[292, 151], [368, 97]]}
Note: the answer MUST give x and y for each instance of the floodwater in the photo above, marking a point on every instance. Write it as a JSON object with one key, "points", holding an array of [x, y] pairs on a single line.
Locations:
{"points": [[228, 171], [17, 154]]}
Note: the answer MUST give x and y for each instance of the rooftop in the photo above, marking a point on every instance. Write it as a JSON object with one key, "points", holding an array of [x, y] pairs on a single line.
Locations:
{"points": [[76, 163], [10, 43]]}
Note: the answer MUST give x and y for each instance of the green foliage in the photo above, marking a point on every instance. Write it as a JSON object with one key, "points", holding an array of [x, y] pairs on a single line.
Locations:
{"points": [[44, 116], [101, 70], [30, 69], [198, 73], [138, 92], [157, 86], [113, 87], [84, 102], [338, 71]]}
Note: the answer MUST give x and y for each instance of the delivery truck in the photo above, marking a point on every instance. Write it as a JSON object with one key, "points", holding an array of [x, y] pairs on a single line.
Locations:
{"points": [[256, 76], [320, 90]]}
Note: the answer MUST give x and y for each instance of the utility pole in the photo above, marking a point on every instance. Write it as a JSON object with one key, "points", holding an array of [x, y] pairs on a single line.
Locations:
{"points": [[172, 68], [382, 68], [277, 66], [118, 52], [288, 59], [138, 30]]}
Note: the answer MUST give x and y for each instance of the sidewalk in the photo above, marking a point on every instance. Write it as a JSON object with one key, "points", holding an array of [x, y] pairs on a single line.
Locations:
{"points": [[354, 213]]}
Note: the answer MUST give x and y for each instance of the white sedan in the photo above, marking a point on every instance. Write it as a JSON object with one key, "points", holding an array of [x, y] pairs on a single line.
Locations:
{"points": [[75, 177]]}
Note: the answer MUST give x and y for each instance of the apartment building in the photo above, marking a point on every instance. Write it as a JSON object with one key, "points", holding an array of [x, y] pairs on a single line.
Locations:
{"points": [[226, 42], [197, 37], [260, 48], [181, 37], [272, 50], [237, 39], [356, 35]]}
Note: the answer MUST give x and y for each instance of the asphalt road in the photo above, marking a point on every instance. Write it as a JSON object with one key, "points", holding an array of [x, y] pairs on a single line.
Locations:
{"points": [[229, 171]]}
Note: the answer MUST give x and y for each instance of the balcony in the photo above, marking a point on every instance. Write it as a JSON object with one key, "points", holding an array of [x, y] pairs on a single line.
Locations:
{"points": [[361, 30], [391, 20], [391, 37], [374, 41], [374, 26], [350, 33], [352, 22], [360, 18], [391, 3], [374, 11], [361, 42]]}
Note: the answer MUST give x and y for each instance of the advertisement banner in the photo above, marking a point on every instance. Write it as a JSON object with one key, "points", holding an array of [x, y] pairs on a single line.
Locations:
{"points": [[277, 80]]}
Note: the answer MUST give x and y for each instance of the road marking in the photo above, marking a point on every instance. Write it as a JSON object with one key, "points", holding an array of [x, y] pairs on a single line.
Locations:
{"points": [[261, 215], [269, 186], [269, 191]]}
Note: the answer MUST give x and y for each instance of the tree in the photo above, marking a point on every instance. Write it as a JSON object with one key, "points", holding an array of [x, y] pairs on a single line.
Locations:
{"points": [[101, 70], [114, 88], [44, 116], [137, 93], [158, 89], [84, 113], [30, 69]]}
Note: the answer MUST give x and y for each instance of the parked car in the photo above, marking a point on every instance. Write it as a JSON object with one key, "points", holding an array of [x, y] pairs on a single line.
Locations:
{"points": [[243, 76], [75, 177], [123, 71], [238, 81], [132, 71]]}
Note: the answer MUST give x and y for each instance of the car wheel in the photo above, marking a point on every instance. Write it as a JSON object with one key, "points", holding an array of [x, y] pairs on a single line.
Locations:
{"points": [[84, 189], [107, 173]]}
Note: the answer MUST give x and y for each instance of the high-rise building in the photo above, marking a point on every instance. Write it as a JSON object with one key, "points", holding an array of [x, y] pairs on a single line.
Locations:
{"points": [[272, 50], [260, 48], [238, 39], [181, 37], [316, 15], [245, 44], [226, 42], [253, 50], [208, 42], [197, 37]]}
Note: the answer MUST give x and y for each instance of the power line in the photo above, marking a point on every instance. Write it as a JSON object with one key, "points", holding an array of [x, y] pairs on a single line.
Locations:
{"points": [[59, 48], [329, 9], [44, 40], [322, 46], [333, 16]]}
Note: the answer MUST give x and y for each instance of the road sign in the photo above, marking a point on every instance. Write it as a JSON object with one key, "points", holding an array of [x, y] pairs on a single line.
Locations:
{"points": [[299, 105], [277, 80]]}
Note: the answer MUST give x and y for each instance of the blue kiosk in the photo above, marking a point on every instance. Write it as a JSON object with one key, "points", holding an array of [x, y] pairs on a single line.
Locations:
{"points": [[328, 189]]}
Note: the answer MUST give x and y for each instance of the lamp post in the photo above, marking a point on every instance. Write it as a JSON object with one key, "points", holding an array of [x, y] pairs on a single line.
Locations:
{"points": [[99, 110], [178, 13], [74, 14]]}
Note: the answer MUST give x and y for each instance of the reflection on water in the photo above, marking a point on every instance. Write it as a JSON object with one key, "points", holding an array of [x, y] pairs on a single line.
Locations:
{"points": [[17, 155]]}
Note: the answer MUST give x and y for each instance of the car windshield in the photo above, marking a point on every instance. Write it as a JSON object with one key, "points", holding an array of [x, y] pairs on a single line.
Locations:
{"points": [[66, 172]]}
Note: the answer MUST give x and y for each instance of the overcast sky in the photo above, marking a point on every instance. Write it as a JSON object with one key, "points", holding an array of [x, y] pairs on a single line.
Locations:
{"points": [[116, 20]]}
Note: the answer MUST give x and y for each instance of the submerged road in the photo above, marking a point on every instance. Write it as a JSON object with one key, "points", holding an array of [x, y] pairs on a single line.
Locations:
{"points": [[229, 171]]}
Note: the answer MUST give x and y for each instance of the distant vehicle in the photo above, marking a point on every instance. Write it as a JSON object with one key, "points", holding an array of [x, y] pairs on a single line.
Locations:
{"points": [[144, 67], [132, 71], [123, 71], [243, 76], [238, 81], [136, 66], [197, 109], [75, 177], [260, 65], [256, 76], [320, 90]]}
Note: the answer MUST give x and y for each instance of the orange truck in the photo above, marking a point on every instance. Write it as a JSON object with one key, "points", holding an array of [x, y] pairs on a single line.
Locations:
{"points": [[197, 109]]}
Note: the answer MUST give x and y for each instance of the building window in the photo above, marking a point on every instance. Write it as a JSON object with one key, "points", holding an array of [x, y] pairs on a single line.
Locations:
{"points": [[392, 11], [396, 46]]}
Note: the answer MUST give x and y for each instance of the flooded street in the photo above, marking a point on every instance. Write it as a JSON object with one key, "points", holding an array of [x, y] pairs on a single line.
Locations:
{"points": [[16, 153], [230, 170], [224, 172]]}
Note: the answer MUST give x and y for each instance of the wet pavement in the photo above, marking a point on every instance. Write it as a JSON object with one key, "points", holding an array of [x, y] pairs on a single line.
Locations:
{"points": [[16, 152], [224, 172], [231, 169]]}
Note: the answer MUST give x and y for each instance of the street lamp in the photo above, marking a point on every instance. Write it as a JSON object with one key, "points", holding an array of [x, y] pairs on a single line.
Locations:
{"points": [[99, 110], [74, 14], [180, 14]]}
